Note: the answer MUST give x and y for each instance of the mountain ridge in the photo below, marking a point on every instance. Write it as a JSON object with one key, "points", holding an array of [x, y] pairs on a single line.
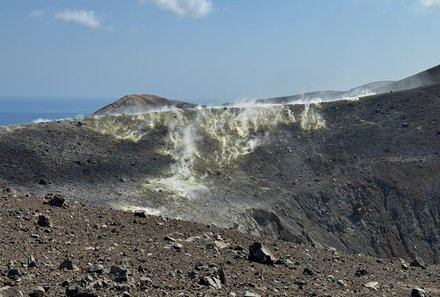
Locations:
{"points": [[140, 103], [329, 174]]}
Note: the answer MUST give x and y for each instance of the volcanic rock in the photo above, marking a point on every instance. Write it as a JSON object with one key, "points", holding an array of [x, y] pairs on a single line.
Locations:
{"points": [[96, 268], [37, 292], [14, 273], [259, 253], [80, 292], [118, 270], [57, 200], [418, 292], [418, 262], [360, 272], [372, 285], [66, 264], [44, 221], [42, 182], [251, 294], [31, 262], [140, 213]]}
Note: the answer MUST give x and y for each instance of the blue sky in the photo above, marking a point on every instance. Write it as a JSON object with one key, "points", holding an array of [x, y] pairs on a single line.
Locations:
{"points": [[211, 51]]}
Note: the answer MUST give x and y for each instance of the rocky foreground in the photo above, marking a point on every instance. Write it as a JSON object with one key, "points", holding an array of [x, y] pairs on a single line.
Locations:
{"points": [[58, 247]]}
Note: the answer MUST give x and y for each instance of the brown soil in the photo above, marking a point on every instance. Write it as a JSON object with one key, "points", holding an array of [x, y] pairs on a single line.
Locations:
{"points": [[166, 257]]}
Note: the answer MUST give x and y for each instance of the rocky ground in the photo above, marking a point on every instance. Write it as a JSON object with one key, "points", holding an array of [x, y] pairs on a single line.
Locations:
{"points": [[54, 246]]}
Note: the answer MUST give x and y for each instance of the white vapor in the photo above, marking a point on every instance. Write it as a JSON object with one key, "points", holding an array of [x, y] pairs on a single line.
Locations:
{"points": [[193, 8], [81, 17], [78, 117], [430, 4]]}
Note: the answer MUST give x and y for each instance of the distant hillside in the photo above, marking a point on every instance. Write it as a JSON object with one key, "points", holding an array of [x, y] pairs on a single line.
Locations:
{"points": [[424, 78], [327, 95], [131, 104]]}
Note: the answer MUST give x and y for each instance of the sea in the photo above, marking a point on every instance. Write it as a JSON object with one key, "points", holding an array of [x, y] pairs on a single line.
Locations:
{"points": [[26, 110]]}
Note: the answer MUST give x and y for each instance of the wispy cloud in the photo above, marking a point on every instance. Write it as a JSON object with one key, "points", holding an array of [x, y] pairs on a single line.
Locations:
{"points": [[430, 4], [80, 17], [192, 8]]}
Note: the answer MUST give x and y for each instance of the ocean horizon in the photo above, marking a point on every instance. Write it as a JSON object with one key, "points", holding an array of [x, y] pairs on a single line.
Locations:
{"points": [[26, 110]]}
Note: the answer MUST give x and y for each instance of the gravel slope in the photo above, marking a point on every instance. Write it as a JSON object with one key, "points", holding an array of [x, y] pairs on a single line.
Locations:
{"points": [[164, 257]]}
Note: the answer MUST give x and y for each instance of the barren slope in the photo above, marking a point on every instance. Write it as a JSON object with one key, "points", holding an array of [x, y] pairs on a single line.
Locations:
{"points": [[101, 252], [361, 176], [131, 104]]}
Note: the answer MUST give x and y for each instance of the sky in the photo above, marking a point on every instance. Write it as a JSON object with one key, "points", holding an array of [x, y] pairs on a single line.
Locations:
{"points": [[211, 51]]}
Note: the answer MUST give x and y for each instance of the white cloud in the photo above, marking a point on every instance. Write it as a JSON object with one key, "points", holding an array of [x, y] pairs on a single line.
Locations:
{"points": [[430, 4], [193, 8], [38, 13], [81, 17]]}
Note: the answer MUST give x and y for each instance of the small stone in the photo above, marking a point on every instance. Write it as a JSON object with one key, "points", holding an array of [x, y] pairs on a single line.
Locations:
{"points": [[31, 261], [238, 248], [57, 200], [145, 282], [117, 270], [42, 181], [140, 213], [44, 221], [66, 264], [360, 272], [309, 271], [79, 292], [418, 292], [177, 246], [14, 273], [212, 282], [122, 278], [285, 262], [342, 282], [405, 264], [10, 292], [251, 294], [38, 292], [169, 238], [259, 253], [417, 262], [72, 291], [372, 285], [223, 278], [220, 244], [123, 287], [97, 284], [96, 268]]}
